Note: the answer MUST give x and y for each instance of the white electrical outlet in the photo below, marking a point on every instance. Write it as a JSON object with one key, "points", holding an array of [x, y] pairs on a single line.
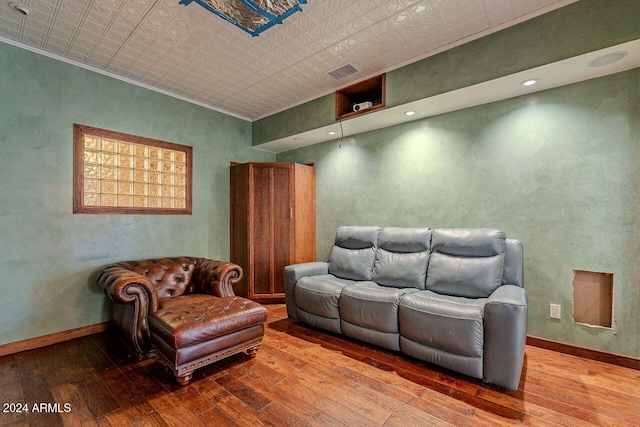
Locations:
{"points": [[554, 311]]}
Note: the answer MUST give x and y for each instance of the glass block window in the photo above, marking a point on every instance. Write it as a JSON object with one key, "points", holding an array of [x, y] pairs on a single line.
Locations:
{"points": [[120, 173]]}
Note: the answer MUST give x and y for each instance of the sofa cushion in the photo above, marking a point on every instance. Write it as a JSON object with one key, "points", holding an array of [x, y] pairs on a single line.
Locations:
{"points": [[371, 306], [353, 253], [467, 365], [447, 323], [402, 257], [369, 312], [319, 295], [466, 262]]}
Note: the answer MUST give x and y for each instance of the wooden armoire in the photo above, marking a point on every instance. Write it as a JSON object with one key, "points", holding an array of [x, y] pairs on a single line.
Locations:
{"points": [[273, 224]]}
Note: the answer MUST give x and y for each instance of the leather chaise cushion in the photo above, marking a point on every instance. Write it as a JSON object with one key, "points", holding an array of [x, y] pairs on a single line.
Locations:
{"points": [[183, 300], [466, 262], [185, 325]]}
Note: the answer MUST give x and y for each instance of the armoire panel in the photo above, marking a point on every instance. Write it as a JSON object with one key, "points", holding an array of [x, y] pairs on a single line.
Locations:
{"points": [[283, 217], [240, 222], [305, 214], [262, 230]]}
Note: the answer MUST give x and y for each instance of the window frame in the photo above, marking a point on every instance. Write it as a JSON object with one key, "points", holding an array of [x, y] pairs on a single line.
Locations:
{"points": [[78, 173]]}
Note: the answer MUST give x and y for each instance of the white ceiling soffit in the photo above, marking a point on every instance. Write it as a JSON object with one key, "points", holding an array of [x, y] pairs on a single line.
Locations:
{"points": [[552, 75], [189, 53]]}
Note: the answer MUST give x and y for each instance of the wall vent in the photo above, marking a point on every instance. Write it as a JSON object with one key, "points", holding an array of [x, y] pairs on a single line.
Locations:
{"points": [[342, 72]]}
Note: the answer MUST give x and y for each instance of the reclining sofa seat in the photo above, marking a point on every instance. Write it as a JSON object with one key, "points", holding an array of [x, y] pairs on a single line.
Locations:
{"points": [[452, 297]]}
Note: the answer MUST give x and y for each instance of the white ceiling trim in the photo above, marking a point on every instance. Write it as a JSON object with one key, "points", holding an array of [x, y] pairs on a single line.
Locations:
{"points": [[457, 43], [117, 77]]}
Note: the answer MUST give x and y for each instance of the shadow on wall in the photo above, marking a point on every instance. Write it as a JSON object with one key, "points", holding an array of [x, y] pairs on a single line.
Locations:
{"points": [[92, 283]]}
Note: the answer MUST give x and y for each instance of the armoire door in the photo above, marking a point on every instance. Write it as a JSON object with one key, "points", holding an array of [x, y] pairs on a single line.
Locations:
{"points": [[272, 228]]}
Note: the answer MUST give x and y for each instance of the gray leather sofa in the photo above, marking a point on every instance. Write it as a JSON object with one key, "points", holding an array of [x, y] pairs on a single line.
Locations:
{"points": [[452, 297]]}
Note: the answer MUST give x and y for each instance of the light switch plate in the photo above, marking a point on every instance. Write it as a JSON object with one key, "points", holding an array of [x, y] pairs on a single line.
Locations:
{"points": [[554, 311]]}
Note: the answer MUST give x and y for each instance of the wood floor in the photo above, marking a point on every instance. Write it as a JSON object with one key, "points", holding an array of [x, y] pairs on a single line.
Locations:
{"points": [[302, 376]]}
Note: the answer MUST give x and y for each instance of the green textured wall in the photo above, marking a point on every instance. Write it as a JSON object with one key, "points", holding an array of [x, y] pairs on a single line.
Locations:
{"points": [[310, 115], [573, 30], [578, 28], [558, 170], [47, 254]]}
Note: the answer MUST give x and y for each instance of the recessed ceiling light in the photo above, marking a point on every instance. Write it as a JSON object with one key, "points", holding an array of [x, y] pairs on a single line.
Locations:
{"points": [[529, 82], [410, 113], [19, 7], [606, 59], [332, 132]]}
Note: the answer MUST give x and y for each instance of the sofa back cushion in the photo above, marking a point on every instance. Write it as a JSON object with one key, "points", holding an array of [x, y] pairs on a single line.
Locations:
{"points": [[466, 262], [353, 253], [402, 257]]}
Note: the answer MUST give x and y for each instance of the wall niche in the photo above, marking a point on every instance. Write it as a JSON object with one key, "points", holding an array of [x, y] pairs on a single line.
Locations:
{"points": [[593, 298]]}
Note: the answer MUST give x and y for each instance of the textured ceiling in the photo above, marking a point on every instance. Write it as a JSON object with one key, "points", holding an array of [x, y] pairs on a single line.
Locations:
{"points": [[189, 52]]}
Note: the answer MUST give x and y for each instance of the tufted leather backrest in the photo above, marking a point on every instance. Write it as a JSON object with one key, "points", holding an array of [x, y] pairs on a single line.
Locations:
{"points": [[171, 277]]}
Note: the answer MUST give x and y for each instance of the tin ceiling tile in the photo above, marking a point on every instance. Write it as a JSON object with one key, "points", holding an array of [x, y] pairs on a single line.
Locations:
{"points": [[193, 53]]}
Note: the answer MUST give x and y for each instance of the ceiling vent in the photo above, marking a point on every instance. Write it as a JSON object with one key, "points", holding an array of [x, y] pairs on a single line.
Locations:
{"points": [[342, 72]]}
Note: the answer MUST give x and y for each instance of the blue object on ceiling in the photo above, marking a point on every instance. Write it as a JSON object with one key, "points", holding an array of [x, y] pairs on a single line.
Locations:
{"points": [[253, 16]]}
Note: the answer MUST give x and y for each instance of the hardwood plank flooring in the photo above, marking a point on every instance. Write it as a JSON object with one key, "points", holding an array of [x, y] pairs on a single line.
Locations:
{"points": [[306, 377]]}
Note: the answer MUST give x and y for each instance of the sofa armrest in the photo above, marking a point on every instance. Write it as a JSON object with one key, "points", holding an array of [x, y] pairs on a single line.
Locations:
{"points": [[217, 277], [293, 273], [505, 336], [127, 287]]}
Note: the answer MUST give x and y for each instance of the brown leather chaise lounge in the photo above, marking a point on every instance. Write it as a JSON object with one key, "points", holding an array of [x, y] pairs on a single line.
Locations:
{"points": [[183, 310]]}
